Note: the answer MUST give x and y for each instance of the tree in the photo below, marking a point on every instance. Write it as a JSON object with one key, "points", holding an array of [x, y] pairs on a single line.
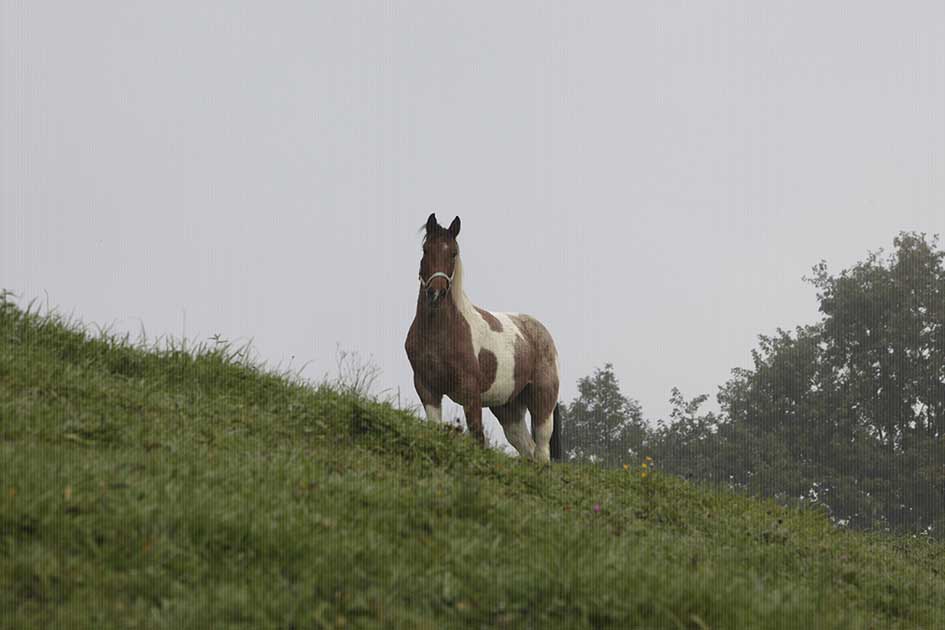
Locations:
{"points": [[686, 444], [884, 330], [847, 413], [602, 424], [850, 412]]}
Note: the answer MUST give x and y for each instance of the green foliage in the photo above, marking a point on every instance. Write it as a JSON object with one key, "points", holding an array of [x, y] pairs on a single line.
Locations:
{"points": [[847, 414], [884, 337], [191, 489], [686, 444], [602, 424], [852, 409]]}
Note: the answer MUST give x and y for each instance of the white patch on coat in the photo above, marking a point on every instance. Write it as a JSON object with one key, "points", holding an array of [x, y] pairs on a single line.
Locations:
{"points": [[433, 413], [501, 344]]}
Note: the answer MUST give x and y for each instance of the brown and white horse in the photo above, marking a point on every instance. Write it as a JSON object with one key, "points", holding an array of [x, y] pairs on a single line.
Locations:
{"points": [[504, 361]]}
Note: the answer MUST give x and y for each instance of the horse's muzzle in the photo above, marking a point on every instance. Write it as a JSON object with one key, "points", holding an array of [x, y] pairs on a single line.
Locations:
{"points": [[435, 296]]}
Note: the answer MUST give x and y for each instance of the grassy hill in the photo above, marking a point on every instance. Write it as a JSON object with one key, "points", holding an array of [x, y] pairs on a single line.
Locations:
{"points": [[191, 490]]}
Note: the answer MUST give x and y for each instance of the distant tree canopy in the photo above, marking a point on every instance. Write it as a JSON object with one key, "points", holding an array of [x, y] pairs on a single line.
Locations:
{"points": [[848, 413], [603, 425]]}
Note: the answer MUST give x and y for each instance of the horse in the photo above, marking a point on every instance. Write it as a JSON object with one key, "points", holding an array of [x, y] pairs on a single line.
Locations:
{"points": [[504, 361]]}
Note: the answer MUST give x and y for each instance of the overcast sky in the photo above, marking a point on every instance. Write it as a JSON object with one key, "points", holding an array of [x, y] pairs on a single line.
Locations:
{"points": [[651, 180]]}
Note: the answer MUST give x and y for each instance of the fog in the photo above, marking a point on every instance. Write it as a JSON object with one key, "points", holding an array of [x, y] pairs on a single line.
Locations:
{"points": [[650, 181]]}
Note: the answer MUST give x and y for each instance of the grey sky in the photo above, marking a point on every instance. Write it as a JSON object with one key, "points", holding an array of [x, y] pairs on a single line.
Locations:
{"points": [[650, 180]]}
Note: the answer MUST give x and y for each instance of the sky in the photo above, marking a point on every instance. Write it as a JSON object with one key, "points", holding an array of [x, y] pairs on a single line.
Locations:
{"points": [[650, 180]]}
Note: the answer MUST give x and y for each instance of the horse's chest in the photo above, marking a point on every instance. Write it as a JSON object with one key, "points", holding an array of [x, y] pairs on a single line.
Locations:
{"points": [[441, 362], [435, 369]]}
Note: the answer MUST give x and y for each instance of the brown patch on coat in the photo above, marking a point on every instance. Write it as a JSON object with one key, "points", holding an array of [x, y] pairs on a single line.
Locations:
{"points": [[488, 364], [494, 323], [522, 371], [536, 372]]}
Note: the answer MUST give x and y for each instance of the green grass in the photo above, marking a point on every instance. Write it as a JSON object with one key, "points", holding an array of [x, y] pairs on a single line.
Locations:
{"points": [[189, 489]]}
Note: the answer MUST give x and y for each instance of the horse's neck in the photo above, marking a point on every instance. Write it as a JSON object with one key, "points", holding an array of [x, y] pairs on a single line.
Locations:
{"points": [[436, 319], [442, 319], [463, 304]]}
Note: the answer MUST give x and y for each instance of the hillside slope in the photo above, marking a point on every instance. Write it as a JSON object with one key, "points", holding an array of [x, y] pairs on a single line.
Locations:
{"points": [[173, 489]]}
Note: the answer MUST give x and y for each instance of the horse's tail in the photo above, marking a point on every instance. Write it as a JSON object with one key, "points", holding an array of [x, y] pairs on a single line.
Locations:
{"points": [[556, 434]]}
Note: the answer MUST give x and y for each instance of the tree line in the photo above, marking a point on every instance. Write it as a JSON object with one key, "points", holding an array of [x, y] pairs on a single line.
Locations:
{"points": [[847, 414]]}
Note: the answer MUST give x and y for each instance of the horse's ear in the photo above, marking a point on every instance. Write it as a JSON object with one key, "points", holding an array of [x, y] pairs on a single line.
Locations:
{"points": [[431, 222], [454, 228]]}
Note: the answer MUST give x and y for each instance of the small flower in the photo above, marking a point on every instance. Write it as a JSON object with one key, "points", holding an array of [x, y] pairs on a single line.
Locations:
{"points": [[643, 475], [648, 458], [597, 508], [626, 466], [644, 465]]}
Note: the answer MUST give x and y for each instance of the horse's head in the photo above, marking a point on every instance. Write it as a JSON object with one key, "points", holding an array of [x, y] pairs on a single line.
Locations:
{"points": [[438, 265]]}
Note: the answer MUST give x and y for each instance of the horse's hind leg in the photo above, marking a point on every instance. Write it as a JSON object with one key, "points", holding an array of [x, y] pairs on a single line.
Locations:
{"points": [[541, 407], [512, 418]]}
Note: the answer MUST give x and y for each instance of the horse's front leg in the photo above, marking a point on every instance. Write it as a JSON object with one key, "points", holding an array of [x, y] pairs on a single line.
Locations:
{"points": [[432, 404], [472, 407]]}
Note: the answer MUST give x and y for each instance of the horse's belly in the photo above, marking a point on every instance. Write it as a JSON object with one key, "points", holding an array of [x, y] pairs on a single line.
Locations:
{"points": [[496, 396]]}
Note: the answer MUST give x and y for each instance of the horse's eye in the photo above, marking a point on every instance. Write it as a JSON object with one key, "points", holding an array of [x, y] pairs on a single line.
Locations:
{"points": [[454, 254]]}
